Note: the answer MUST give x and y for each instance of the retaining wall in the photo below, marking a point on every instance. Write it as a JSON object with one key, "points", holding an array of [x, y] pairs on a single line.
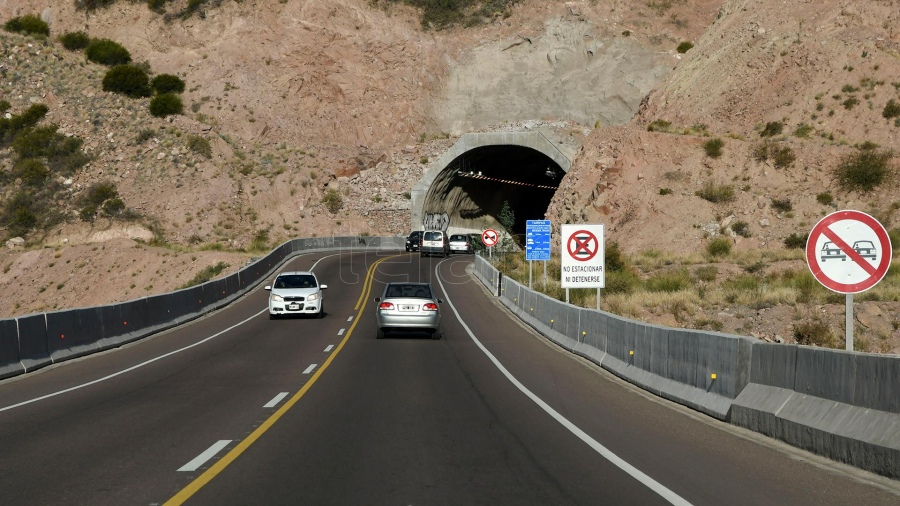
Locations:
{"points": [[839, 404], [33, 341]]}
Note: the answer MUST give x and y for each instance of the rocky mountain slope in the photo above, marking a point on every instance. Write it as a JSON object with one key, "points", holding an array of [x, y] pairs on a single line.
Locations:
{"points": [[299, 97]]}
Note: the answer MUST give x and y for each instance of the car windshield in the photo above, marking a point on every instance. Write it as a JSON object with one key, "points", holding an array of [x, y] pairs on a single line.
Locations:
{"points": [[457, 238], [415, 235], [296, 281], [408, 290], [433, 236]]}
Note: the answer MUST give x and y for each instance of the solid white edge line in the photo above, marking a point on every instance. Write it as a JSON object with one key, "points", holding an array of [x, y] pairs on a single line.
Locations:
{"points": [[201, 459], [142, 364], [637, 474], [341, 332], [311, 368], [329, 348], [275, 400]]}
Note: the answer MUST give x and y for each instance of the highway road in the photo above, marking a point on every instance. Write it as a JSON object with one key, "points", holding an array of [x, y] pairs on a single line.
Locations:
{"points": [[237, 409]]}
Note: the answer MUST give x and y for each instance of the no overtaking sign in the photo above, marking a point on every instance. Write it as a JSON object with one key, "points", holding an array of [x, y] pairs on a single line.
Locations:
{"points": [[848, 251]]}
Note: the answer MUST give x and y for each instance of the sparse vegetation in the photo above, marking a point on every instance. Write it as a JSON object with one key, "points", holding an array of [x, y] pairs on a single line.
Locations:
{"points": [[782, 205], [813, 332], [825, 198], [891, 109], [741, 228], [439, 14]]}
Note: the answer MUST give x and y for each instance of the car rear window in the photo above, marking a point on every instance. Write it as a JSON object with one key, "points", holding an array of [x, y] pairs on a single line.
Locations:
{"points": [[295, 281], [433, 236], [404, 290], [457, 238]]}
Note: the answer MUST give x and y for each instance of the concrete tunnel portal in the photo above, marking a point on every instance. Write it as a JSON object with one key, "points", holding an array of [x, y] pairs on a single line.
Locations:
{"points": [[465, 189]]}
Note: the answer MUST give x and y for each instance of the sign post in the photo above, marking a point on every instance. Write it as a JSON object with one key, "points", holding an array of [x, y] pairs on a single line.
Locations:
{"points": [[848, 252], [537, 245], [489, 238], [582, 264]]}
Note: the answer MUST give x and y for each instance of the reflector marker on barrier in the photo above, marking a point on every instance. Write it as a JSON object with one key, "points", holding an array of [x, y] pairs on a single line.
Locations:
{"points": [[712, 376]]}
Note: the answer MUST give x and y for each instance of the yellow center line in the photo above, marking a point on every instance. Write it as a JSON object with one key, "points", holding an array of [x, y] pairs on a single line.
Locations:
{"points": [[370, 277], [198, 483]]}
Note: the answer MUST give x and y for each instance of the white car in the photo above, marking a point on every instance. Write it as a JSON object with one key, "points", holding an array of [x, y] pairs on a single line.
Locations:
{"points": [[296, 293]]}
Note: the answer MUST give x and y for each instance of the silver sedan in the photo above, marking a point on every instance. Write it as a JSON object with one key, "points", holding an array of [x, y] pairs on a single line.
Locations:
{"points": [[408, 307]]}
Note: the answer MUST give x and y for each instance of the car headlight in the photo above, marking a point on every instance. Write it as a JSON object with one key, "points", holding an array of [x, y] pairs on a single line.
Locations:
{"points": [[314, 296], [276, 298]]}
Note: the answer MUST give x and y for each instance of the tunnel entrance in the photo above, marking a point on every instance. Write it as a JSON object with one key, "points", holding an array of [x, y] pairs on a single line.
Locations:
{"points": [[466, 189]]}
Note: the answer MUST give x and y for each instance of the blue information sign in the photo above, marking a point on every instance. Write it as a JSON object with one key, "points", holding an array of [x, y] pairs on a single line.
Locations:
{"points": [[537, 240]]}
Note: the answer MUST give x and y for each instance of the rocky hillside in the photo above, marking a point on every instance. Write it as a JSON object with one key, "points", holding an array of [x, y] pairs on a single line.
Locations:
{"points": [[320, 116]]}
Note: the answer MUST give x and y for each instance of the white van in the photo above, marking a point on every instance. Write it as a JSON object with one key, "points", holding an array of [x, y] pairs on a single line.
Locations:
{"points": [[434, 242]]}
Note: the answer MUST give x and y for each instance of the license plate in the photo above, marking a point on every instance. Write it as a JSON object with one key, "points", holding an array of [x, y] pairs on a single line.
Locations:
{"points": [[294, 307], [409, 307]]}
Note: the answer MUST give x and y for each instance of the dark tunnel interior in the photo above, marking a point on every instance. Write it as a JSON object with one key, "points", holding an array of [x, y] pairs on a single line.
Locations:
{"points": [[474, 187]]}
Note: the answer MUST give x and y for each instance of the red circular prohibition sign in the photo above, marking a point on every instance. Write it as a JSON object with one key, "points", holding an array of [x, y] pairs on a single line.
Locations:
{"points": [[582, 245], [876, 273]]}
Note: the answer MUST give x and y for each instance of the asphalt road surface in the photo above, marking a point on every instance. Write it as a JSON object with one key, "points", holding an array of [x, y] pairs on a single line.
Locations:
{"points": [[235, 409]]}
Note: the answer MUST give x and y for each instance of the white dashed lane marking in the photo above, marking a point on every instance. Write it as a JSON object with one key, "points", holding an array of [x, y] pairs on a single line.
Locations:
{"points": [[275, 400], [311, 368], [201, 459]]}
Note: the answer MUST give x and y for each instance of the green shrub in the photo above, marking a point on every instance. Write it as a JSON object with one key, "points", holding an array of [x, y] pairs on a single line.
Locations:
{"points": [[814, 332], [11, 127], [101, 195], [165, 105], [20, 214], [107, 52], [891, 110], [795, 241], [145, 135], [614, 259], [684, 47], [28, 24], [713, 147], [32, 171], [894, 235], [825, 198], [113, 206], [90, 5], [782, 205], [665, 191], [129, 80], [716, 193], [803, 130], [671, 281], [5, 105], [659, 125], [74, 41], [706, 273], [850, 103], [207, 273], [620, 282], [167, 83], [63, 154], [772, 129], [741, 228], [719, 247], [864, 170], [782, 156], [333, 201], [199, 145]]}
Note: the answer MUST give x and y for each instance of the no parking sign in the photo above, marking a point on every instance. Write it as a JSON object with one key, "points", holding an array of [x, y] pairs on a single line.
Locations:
{"points": [[848, 251]]}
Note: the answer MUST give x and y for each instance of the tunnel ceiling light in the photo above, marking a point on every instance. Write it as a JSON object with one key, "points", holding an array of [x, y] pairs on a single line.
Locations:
{"points": [[478, 175]]}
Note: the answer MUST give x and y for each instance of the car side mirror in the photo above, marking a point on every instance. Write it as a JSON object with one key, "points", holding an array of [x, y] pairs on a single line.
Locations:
{"points": [[268, 287], [377, 299], [322, 287], [440, 301]]}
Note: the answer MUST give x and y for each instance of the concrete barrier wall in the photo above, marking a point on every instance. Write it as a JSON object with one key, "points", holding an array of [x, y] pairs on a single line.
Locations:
{"points": [[843, 405], [33, 341]]}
